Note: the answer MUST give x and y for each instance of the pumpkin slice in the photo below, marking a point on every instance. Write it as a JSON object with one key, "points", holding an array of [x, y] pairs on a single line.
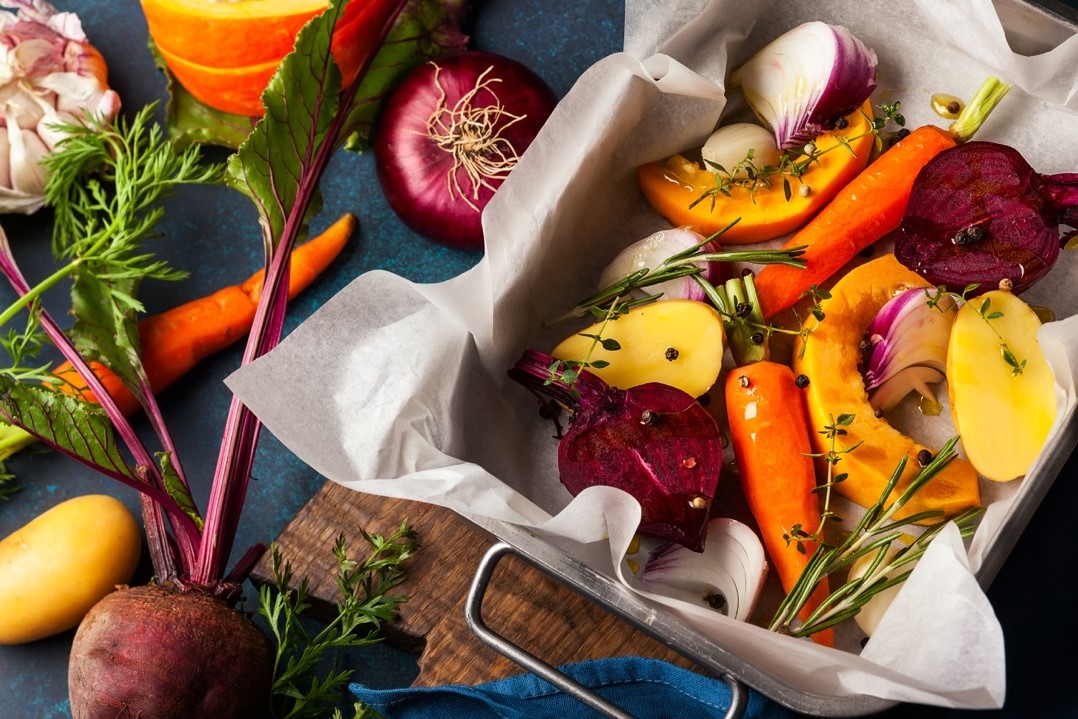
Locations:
{"points": [[673, 186], [830, 361]]}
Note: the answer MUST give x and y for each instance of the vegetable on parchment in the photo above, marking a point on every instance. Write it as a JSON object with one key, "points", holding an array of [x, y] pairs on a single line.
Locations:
{"points": [[770, 438], [870, 206], [449, 136], [1002, 389], [771, 200], [50, 75], [653, 441], [61, 563], [726, 577], [908, 341], [830, 357], [159, 666], [979, 214], [802, 82]]}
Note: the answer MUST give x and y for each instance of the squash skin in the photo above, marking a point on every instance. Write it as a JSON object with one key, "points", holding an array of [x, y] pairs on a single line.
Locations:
{"points": [[830, 360]]}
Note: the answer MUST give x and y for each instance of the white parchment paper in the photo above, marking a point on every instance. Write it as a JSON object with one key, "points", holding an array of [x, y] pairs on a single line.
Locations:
{"points": [[399, 389]]}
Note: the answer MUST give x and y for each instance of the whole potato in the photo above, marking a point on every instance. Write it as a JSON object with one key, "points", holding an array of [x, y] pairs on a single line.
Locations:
{"points": [[63, 562]]}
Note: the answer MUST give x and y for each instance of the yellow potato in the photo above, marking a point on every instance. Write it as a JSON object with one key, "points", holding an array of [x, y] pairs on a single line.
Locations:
{"points": [[1003, 416], [56, 567], [676, 342]]}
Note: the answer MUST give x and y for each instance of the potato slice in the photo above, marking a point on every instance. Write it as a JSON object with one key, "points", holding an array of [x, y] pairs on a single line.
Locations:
{"points": [[675, 342], [1003, 415]]}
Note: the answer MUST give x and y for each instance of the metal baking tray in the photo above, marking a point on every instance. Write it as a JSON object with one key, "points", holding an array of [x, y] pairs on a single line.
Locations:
{"points": [[1032, 27]]}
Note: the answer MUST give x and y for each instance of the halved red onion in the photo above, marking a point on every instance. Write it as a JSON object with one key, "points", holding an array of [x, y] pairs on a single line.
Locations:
{"points": [[802, 82], [908, 337], [449, 136], [655, 249]]}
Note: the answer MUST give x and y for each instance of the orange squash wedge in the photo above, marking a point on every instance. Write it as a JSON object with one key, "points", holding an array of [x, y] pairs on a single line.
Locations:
{"points": [[673, 186], [224, 53], [830, 358]]}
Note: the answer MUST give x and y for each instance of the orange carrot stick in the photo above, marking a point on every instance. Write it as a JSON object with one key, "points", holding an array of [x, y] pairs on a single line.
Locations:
{"points": [[174, 341], [770, 437], [869, 207], [864, 211]]}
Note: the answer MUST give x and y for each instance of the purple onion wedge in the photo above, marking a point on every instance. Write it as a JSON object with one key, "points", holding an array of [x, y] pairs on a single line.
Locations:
{"points": [[802, 82], [653, 441], [979, 214]]}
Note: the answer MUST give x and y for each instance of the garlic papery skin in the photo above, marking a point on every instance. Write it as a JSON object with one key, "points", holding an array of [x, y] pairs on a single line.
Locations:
{"points": [[731, 148], [50, 75]]}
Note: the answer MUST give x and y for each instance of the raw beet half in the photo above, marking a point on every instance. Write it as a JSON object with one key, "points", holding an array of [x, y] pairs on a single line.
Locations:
{"points": [[653, 441], [978, 213], [155, 652]]}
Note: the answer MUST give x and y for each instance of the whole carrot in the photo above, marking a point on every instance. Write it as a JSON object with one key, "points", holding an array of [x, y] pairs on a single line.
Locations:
{"points": [[769, 434], [174, 341], [869, 207]]}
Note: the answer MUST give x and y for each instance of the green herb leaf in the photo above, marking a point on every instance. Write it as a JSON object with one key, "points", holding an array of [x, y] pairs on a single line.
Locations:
{"points": [[74, 426], [177, 488]]}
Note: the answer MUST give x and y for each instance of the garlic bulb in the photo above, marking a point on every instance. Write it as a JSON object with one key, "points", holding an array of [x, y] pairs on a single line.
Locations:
{"points": [[49, 74]]}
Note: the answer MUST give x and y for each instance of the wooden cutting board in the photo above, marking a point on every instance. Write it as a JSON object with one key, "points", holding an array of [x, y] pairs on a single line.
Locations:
{"points": [[521, 603]]}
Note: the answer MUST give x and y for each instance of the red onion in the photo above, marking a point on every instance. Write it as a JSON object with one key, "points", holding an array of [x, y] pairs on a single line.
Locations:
{"points": [[909, 338], [979, 214], [804, 81], [653, 441], [449, 136]]}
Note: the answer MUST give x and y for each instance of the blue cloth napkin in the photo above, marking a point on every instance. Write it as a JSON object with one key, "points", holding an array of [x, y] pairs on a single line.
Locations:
{"points": [[645, 688]]}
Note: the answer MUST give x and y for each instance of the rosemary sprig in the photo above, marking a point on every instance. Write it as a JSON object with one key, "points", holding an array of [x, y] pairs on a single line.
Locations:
{"points": [[872, 535], [750, 176], [682, 264], [298, 691]]}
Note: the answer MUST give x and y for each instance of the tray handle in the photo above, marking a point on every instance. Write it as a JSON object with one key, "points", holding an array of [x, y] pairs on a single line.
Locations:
{"points": [[473, 609]]}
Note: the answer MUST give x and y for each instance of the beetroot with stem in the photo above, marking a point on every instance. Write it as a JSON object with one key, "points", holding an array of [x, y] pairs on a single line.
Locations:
{"points": [[653, 441], [177, 648], [979, 214]]}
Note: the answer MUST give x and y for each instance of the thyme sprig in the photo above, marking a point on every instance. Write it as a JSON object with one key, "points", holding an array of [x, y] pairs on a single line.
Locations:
{"points": [[681, 264], [873, 536], [833, 430], [986, 313], [749, 175], [298, 691]]}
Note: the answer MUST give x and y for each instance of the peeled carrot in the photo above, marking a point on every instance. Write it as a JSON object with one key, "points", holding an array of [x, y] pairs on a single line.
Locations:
{"points": [[769, 434], [174, 341], [869, 207], [864, 211]]}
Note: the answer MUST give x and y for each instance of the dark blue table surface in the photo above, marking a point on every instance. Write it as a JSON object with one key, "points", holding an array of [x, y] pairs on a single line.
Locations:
{"points": [[219, 243]]}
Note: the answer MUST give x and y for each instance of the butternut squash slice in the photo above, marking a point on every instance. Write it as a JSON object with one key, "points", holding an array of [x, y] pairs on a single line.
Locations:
{"points": [[836, 386], [673, 186]]}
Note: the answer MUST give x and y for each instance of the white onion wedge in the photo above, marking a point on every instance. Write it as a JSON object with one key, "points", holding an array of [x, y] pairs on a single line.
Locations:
{"points": [[650, 253], [726, 576], [802, 82]]}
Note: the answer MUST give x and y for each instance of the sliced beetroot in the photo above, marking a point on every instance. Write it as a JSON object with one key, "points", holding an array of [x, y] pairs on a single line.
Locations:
{"points": [[653, 441], [979, 214]]}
